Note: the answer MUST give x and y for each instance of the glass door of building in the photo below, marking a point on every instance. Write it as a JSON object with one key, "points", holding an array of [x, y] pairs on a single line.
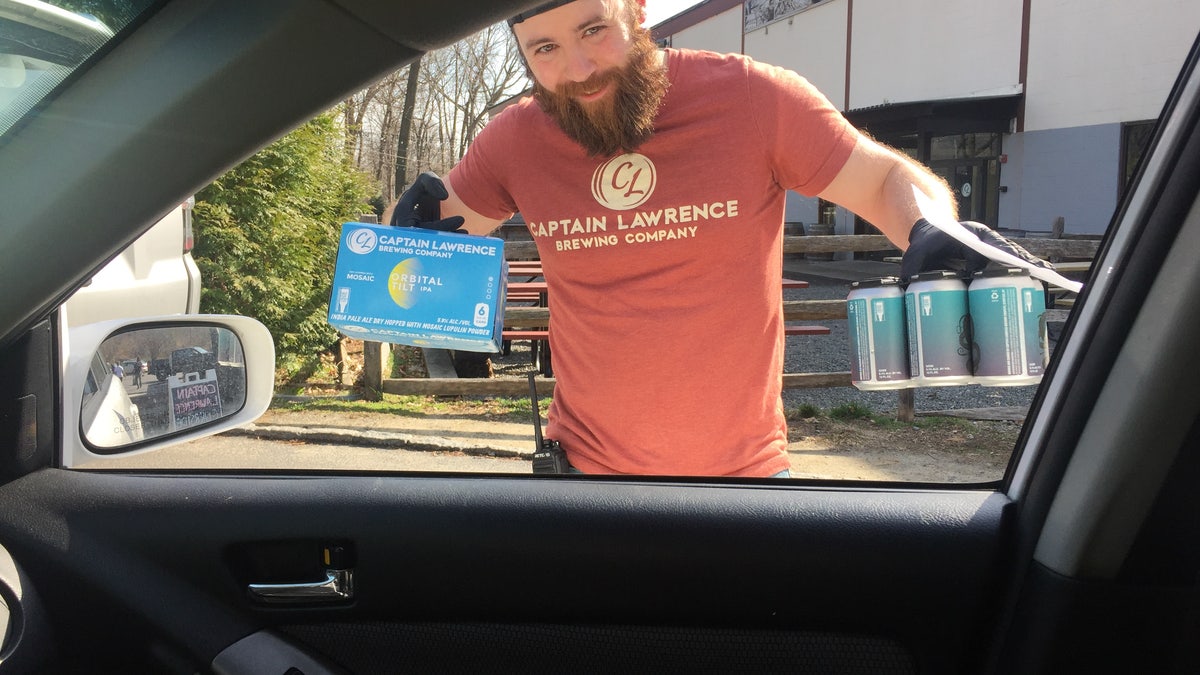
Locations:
{"points": [[974, 184], [970, 165]]}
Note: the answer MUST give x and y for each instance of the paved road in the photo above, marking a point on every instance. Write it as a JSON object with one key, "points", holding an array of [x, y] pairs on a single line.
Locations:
{"points": [[242, 452]]}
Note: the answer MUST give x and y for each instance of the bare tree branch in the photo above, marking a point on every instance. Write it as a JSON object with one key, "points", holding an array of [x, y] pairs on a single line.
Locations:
{"points": [[455, 88]]}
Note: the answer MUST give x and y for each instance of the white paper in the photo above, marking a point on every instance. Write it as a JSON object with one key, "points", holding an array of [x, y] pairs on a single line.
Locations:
{"points": [[941, 219]]}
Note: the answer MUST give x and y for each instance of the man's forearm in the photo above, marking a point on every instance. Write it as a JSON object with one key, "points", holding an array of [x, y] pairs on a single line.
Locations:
{"points": [[900, 206], [876, 183]]}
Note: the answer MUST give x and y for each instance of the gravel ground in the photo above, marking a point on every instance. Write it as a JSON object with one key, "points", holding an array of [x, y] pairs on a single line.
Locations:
{"points": [[830, 353]]}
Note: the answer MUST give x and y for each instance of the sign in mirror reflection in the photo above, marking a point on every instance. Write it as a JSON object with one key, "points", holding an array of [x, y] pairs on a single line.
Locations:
{"points": [[150, 382]]}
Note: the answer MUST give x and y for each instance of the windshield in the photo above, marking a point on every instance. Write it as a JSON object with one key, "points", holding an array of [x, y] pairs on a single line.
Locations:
{"points": [[42, 43]]}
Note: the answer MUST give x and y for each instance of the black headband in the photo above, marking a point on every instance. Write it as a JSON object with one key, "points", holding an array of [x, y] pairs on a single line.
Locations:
{"points": [[544, 7]]}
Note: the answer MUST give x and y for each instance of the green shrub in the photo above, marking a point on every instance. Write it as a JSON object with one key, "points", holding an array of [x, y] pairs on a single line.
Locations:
{"points": [[807, 411], [851, 411], [266, 239]]}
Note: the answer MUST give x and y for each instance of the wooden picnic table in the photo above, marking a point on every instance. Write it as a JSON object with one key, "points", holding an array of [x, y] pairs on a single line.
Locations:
{"points": [[536, 292], [540, 286], [534, 286]]}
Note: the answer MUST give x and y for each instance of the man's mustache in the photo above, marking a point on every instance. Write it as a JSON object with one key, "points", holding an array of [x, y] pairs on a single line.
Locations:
{"points": [[593, 83]]}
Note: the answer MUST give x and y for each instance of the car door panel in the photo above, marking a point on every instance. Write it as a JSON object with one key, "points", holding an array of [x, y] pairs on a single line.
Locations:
{"points": [[28, 414], [460, 554], [1105, 542]]}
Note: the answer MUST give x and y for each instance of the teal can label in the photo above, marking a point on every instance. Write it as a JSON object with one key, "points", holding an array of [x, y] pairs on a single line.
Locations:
{"points": [[878, 346], [858, 324], [1008, 317], [936, 305], [1037, 338], [999, 335]]}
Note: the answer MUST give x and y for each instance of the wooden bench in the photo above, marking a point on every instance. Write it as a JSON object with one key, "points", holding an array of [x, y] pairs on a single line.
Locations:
{"points": [[544, 334], [526, 292], [523, 296], [525, 267], [529, 291], [535, 292]]}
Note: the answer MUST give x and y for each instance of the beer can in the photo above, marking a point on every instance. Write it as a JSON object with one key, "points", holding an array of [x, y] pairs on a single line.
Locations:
{"points": [[939, 329], [878, 340], [1008, 317]]}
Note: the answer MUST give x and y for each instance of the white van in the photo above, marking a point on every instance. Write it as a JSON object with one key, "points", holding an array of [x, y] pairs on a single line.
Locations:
{"points": [[154, 275]]}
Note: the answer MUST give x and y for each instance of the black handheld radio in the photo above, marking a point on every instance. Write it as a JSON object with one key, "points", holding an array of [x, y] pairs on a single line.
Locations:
{"points": [[548, 456]]}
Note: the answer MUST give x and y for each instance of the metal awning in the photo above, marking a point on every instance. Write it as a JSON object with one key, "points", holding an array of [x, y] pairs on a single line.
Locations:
{"points": [[939, 117]]}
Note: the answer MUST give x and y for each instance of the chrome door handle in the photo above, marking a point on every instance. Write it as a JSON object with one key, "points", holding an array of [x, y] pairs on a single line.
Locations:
{"points": [[337, 586]]}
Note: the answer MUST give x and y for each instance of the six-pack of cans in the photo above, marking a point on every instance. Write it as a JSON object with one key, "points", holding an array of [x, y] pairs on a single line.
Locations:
{"points": [[940, 330]]}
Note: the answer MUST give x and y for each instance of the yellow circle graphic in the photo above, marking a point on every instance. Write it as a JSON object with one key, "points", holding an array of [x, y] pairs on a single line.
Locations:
{"points": [[401, 282]]}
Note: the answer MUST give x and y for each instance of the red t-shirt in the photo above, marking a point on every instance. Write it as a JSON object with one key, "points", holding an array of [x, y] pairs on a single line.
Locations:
{"points": [[664, 265]]}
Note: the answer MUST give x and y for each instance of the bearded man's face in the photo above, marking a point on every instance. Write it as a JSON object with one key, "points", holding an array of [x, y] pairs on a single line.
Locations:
{"points": [[621, 120], [597, 73]]}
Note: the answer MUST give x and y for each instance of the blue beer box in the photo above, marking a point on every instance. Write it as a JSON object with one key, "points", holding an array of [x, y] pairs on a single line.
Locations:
{"points": [[419, 287]]}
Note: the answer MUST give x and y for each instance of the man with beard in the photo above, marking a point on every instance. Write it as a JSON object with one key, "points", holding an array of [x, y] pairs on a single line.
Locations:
{"points": [[653, 182]]}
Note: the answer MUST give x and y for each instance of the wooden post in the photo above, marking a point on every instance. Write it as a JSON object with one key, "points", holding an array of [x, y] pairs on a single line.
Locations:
{"points": [[377, 365], [345, 377], [905, 407]]}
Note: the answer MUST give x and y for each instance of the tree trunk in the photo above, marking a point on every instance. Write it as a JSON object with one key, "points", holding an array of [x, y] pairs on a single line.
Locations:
{"points": [[410, 104]]}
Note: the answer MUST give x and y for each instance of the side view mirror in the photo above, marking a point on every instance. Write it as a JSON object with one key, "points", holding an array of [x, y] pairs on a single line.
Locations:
{"points": [[137, 385]]}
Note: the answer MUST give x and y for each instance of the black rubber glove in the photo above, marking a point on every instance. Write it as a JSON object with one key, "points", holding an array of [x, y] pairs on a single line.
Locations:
{"points": [[420, 206], [931, 249]]}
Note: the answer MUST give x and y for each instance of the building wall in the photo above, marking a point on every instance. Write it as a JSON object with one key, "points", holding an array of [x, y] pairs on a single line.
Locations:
{"points": [[1091, 67], [721, 33], [1071, 172], [1010, 179], [933, 49], [1102, 62], [800, 209], [812, 43]]}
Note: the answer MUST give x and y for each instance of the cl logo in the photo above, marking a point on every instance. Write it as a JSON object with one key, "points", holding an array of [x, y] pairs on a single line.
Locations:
{"points": [[624, 182], [361, 241]]}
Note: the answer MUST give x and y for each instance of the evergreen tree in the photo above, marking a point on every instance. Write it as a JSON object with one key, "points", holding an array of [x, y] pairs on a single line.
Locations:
{"points": [[267, 233]]}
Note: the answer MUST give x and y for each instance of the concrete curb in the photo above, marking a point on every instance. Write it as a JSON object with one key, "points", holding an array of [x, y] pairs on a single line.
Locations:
{"points": [[374, 439]]}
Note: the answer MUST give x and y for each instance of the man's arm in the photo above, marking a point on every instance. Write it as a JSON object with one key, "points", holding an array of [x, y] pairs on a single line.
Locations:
{"points": [[474, 223], [876, 183]]}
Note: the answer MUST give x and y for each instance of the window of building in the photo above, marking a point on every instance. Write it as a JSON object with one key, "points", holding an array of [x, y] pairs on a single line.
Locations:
{"points": [[1135, 141], [964, 146]]}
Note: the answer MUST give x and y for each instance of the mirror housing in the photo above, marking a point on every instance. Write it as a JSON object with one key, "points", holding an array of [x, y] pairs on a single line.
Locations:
{"points": [[214, 373]]}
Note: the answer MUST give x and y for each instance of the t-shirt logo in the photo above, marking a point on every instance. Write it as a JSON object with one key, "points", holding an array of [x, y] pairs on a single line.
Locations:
{"points": [[624, 182]]}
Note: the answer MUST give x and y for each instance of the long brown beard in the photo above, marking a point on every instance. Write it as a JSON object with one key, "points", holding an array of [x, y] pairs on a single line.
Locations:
{"points": [[622, 120]]}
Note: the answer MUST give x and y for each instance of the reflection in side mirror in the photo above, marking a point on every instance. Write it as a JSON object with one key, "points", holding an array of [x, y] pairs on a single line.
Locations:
{"points": [[150, 382]]}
